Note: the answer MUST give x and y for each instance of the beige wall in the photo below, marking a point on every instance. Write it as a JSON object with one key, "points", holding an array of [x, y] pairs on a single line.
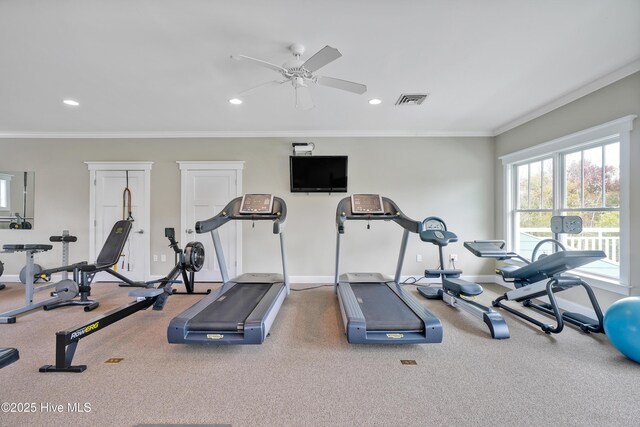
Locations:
{"points": [[617, 100], [449, 177]]}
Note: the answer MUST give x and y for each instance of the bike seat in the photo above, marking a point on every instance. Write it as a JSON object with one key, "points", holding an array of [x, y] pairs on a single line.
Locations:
{"points": [[461, 287], [438, 237]]}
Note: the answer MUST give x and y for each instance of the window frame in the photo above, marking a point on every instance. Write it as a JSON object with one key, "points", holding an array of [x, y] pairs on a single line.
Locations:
{"points": [[6, 178], [620, 130], [514, 195]]}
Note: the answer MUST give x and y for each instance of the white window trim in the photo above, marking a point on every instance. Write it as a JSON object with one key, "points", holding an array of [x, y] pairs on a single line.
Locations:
{"points": [[7, 178], [622, 128]]}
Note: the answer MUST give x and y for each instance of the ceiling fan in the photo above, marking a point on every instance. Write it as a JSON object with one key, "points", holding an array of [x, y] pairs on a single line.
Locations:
{"points": [[301, 73]]}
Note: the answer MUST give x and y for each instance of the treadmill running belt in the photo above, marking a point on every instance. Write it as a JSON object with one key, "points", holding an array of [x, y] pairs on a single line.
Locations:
{"points": [[231, 309], [383, 310]]}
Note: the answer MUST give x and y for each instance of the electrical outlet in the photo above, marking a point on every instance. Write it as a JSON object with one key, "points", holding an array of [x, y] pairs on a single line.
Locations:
{"points": [[155, 258], [163, 258], [418, 257], [453, 257]]}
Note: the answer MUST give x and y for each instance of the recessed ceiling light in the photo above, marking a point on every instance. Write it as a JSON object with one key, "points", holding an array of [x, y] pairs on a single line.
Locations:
{"points": [[375, 101], [235, 101], [70, 102]]}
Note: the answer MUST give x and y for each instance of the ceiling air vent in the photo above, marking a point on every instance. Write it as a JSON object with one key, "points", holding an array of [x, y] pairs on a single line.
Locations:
{"points": [[411, 99]]}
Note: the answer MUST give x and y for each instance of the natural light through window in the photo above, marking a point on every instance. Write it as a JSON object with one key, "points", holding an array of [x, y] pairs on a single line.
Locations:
{"points": [[583, 175], [592, 191], [5, 192]]}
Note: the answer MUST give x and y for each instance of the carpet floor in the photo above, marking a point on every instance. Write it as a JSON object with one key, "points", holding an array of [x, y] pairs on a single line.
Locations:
{"points": [[306, 374]]}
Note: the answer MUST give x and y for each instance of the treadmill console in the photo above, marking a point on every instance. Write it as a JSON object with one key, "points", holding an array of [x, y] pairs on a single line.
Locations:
{"points": [[256, 204], [366, 204]]}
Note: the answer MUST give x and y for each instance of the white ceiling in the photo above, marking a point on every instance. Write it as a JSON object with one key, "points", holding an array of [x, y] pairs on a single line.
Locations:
{"points": [[163, 67]]}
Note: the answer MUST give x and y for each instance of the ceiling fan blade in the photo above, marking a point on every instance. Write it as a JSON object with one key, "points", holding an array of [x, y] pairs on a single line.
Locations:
{"points": [[259, 62], [342, 84], [322, 57], [266, 84], [303, 98]]}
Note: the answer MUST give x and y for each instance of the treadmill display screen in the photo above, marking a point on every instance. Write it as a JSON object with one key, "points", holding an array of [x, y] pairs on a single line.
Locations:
{"points": [[366, 204], [256, 204]]}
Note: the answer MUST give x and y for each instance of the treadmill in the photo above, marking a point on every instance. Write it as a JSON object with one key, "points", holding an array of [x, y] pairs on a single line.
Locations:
{"points": [[244, 308], [376, 309]]}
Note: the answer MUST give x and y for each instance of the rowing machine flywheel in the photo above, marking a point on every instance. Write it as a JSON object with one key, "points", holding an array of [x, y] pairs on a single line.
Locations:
{"points": [[194, 256]]}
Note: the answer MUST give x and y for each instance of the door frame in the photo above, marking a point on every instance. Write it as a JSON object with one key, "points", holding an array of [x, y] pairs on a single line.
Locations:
{"points": [[187, 166], [146, 218]]}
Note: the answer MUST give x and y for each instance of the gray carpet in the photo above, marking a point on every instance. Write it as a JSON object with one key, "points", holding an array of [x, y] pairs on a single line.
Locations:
{"points": [[307, 374]]}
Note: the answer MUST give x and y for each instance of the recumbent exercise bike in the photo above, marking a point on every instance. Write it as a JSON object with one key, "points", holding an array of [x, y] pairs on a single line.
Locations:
{"points": [[455, 291]]}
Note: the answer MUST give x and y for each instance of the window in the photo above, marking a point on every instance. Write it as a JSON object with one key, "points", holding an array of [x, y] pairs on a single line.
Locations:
{"points": [[591, 190], [583, 174], [534, 204], [5, 192]]}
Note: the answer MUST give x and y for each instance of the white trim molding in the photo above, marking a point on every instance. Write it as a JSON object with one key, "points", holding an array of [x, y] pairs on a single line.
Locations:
{"points": [[620, 129], [210, 165], [247, 134], [595, 85], [94, 166], [329, 279], [574, 140], [193, 165]]}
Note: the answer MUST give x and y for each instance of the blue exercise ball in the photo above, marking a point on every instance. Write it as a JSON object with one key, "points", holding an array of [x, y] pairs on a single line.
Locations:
{"points": [[622, 326]]}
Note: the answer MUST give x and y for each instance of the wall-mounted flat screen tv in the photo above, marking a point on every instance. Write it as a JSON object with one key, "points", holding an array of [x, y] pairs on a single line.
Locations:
{"points": [[318, 174]]}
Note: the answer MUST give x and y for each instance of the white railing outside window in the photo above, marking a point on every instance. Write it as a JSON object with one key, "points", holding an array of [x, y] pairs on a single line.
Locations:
{"points": [[591, 239]]}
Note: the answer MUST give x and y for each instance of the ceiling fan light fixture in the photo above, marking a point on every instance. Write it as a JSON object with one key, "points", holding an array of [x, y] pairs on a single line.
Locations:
{"points": [[302, 72], [375, 101], [235, 101]]}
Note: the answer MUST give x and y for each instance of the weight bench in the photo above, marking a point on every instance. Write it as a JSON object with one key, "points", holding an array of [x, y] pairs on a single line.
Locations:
{"points": [[529, 281], [29, 288], [65, 269], [108, 257], [8, 356]]}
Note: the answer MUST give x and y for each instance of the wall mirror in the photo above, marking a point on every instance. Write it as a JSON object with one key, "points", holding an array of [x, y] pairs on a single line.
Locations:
{"points": [[17, 197]]}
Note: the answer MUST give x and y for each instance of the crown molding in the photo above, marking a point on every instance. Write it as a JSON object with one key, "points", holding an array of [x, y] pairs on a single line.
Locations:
{"points": [[599, 83], [242, 134]]}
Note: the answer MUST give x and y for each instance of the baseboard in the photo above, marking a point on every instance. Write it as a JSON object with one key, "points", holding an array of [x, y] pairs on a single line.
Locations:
{"points": [[10, 278], [403, 279], [311, 279]]}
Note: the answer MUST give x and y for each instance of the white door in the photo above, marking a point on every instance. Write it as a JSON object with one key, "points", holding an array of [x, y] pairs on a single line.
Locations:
{"points": [[108, 201], [205, 193]]}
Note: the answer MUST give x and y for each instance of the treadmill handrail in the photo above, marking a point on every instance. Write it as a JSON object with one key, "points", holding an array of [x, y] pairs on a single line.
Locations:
{"points": [[232, 212], [391, 213]]}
